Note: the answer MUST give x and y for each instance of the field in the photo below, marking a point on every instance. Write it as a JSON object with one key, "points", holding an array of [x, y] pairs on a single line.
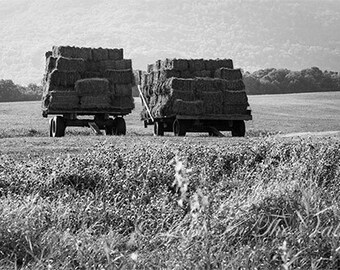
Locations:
{"points": [[145, 202], [308, 112]]}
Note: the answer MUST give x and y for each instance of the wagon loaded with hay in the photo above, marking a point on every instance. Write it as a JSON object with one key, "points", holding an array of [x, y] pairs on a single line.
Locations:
{"points": [[87, 81], [193, 95]]}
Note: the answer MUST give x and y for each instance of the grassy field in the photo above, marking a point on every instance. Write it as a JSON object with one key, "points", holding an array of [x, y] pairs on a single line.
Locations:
{"points": [[308, 112], [145, 202]]}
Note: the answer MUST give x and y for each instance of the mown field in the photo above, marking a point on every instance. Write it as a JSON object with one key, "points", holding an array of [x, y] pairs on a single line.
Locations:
{"points": [[144, 202], [307, 112]]}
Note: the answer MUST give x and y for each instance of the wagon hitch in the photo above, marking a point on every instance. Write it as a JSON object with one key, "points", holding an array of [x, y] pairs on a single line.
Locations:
{"points": [[214, 132]]}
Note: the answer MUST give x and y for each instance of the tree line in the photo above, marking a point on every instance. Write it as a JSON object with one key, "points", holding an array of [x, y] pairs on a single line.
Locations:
{"points": [[264, 81], [9, 91], [282, 81]]}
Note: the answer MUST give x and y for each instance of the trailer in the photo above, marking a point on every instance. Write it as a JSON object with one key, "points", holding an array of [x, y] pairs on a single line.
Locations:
{"points": [[181, 124], [87, 87], [112, 122]]}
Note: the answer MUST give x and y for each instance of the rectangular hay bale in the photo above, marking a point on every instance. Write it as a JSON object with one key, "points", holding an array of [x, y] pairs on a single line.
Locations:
{"points": [[183, 95], [234, 109], [202, 74], [95, 102], [48, 54], [156, 77], [123, 76], [150, 78], [92, 66], [153, 101], [177, 64], [122, 102], [50, 64], [237, 85], [213, 64], [167, 73], [188, 107], [138, 77], [100, 54], [196, 64], [159, 64], [226, 63], [63, 78], [91, 74], [150, 68], [228, 74], [123, 64], [62, 100], [72, 52], [115, 54], [106, 64], [122, 90], [179, 84], [92, 87], [200, 85], [48, 87], [144, 79], [186, 74], [213, 102], [70, 64], [235, 97], [207, 85]]}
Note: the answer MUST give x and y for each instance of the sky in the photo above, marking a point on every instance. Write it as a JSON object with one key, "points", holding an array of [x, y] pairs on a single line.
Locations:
{"points": [[255, 34]]}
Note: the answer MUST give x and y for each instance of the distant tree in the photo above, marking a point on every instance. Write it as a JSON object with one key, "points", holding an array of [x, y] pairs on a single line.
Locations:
{"points": [[279, 81], [9, 91], [13, 92]]}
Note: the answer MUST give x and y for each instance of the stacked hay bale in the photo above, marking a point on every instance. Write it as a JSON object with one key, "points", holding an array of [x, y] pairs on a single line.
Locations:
{"points": [[87, 79], [193, 87]]}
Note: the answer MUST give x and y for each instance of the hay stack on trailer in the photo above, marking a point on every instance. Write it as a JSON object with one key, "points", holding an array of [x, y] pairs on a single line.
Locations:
{"points": [[192, 87], [87, 79]]}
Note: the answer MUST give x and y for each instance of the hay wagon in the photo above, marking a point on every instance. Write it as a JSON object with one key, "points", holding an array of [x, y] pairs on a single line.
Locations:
{"points": [[80, 82], [210, 123], [193, 95]]}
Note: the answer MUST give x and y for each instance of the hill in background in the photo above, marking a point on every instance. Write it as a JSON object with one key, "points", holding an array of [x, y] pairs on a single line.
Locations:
{"points": [[255, 34]]}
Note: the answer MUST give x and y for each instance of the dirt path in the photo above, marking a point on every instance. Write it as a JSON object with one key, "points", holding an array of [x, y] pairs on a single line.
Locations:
{"points": [[311, 134]]}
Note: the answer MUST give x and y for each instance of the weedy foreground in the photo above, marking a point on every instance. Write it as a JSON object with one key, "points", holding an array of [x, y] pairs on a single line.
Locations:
{"points": [[150, 203]]}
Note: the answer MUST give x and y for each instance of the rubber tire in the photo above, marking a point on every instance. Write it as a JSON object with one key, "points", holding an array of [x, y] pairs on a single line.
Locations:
{"points": [[110, 127], [50, 123], [238, 129], [58, 126], [120, 126], [179, 128], [158, 129]]}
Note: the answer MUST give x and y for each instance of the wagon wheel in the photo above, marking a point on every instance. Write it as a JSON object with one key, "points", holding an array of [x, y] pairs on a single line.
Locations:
{"points": [[120, 126], [58, 126], [179, 128], [50, 123], [238, 129], [158, 129], [109, 126]]}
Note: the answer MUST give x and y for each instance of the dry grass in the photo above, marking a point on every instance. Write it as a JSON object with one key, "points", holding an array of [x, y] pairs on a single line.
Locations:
{"points": [[169, 203]]}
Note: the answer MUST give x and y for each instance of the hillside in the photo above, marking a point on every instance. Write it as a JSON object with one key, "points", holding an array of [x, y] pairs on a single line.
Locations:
{"points": [[256, 34]]}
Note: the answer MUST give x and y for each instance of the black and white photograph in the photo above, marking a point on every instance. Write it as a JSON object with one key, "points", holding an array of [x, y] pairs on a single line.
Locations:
{"points": [[169, 134]]}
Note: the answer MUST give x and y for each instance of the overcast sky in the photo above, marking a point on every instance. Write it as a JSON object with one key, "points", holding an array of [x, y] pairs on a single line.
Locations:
{"points": [[255, 34]]}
